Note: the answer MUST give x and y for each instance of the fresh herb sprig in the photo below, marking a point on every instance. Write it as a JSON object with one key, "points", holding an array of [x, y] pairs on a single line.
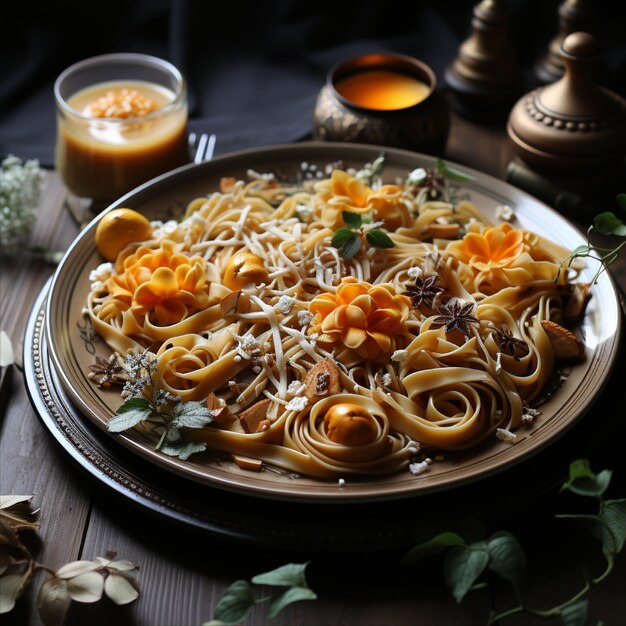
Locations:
{"points": [[146, 401], [349, 239], [503, 554], [371, 171], [438, 181], [605, 224], [239, 598]]}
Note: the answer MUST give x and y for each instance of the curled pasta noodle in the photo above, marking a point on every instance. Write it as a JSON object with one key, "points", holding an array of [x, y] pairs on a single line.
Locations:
{"points": [[330, 364]]}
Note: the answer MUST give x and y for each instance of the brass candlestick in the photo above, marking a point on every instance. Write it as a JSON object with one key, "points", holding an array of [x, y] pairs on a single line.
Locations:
{"points": [[484, 77], [574, 16]]}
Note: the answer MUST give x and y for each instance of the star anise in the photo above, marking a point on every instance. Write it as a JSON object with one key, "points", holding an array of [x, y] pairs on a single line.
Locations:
{"points": [[107, 372], [424, 291], [456, 315], [509, 344]]}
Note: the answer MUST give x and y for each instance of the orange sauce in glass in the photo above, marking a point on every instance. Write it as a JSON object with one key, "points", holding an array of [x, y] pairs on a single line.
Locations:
{"points": [[102, 157], [384, 90]]}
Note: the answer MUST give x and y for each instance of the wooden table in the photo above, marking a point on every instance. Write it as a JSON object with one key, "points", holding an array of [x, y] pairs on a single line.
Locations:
{"points": [[183, 574]]}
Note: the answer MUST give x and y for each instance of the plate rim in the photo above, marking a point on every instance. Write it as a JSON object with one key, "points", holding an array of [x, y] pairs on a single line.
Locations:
{"points": [[276, 490]]}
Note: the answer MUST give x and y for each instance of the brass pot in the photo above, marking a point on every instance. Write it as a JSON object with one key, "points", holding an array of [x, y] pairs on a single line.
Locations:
{"points": [[423, 127]]}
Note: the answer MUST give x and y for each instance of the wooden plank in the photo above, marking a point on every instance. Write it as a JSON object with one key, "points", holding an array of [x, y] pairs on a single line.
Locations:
{"points": [[183, 574]]}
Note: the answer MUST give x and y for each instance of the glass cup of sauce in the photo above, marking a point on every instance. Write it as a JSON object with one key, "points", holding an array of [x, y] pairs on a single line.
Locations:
{"points": [[121, 120]]}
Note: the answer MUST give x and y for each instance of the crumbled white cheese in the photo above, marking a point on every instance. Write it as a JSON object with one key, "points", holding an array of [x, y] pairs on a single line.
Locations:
{"points": [[399, 356], [505, 212], [165, 229], [258, 176], [304, 318], [506, 435], [284, 304], [295, 387], [341, 482], [414, 272], [498, 362], [419, 468], [386, 379], [529, 415], [297, 404], [102, 272]]}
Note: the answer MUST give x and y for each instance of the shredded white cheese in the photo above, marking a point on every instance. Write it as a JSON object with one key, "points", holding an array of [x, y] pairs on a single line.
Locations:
{"points": [[297, 404], [284, 304], [506, 435], [505, 212], [419, 468], [498, 362]]}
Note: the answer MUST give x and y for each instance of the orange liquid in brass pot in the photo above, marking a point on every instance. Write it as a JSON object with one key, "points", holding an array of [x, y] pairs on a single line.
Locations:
{"points": [[384, 90]]}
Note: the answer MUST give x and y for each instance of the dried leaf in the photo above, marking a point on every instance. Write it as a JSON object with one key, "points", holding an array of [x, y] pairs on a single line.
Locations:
{"points": [[11, 587], [17, 513], [123, 565], [86, 587], [120, 589], [53, 602], [7, 356], [77, 568]]}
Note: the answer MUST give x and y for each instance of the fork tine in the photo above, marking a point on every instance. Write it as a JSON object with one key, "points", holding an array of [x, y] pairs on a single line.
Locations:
{"points": [[210, 148], [200, 151]]}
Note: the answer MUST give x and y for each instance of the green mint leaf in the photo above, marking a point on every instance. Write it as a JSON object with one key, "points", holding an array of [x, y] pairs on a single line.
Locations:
{"points": [[294, 594], [506, 557], [182, 449], [378, 164], [351, 247], [379, 238], [583, 482], [290, 575], [582, 250], [452, 173], [235, 603], [132, 412], [435, 545], [621, 200], [575, 614], [341, 237], [191, 414], [417, 176], [613, 516], [609, 224], [462, 566], [352, 219]]}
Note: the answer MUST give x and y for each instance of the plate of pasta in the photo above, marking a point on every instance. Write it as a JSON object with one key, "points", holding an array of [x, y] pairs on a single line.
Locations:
{"points": [[334, 322]]}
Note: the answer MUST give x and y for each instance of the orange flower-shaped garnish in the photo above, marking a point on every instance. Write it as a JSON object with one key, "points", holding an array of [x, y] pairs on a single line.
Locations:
{"points": [[161, 283], [368, 319], [348, 193], [499, 246]]}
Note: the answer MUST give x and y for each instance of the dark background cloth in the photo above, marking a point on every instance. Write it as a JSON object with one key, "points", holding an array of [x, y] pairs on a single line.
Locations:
{"points": [[254, 69]]}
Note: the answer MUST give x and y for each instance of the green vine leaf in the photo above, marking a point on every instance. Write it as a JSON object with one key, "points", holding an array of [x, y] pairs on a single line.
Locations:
{"points": [[583, 482], [506, 557], [290, 575], [613, 529], [234, 604], [291, 595], [609, 224], [462, 566], [131, 413], [575, 614], [433, 546]]}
